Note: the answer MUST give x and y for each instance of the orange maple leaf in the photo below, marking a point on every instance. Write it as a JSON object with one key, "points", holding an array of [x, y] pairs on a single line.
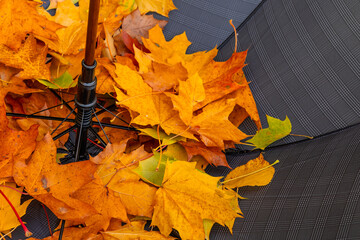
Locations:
{"points": [[20, 17], [30, 58], [53, 184], [15, 144]]}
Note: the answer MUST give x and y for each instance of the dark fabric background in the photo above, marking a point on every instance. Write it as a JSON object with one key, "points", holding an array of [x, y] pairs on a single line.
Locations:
{"points": [[304, 63], [206, 22], [313, 195]]}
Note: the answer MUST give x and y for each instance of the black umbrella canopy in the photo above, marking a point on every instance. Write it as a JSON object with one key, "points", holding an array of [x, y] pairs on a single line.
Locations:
{"points": [[304, 63]]}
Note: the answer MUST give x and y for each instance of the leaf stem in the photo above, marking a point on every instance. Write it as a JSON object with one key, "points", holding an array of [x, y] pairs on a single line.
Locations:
{"points": [[48, 220], [299, 135], [160, 145], [2, 236], [26, 230], [247, 144], [235, 33], [23, 193], [246, 175]]}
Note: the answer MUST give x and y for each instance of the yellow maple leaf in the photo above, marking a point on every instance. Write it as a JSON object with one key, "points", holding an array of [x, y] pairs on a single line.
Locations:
{"points": [[162, 7], [158, 109], [134, 230], [256, 172], [191, 92], [107, 8], [66, 13], [137, 196], [188, 196], [30, 58], [164, 52], [71, 40], [174, 51], [8, 219]]}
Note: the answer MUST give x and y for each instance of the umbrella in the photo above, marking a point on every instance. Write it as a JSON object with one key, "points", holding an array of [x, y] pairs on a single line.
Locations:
{"points": [[303, 62]]}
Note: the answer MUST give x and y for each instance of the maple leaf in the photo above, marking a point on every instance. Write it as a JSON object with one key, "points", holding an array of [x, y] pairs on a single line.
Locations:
{"points": [[51, 183], [135, 230], [161, 51], [64, 81], [256, 172], [162, 77], [105, 73], [172, 53], [105, 82], [245, 99], [137, 25], [137, 197], [214, 70], [191, 92], [113, 163], [16, 144], [277, 129], [188, 196], [70, 40], [106, 9], [29, 58], [122, 184], [7, 73], [143, 59], [17, 22], [66, 13], [151, 171], [102, 199], [238, 115], [162, 7], [214, 126], [126, 7], [213, 155], [158, 108], [6, 211], [221, 82]]}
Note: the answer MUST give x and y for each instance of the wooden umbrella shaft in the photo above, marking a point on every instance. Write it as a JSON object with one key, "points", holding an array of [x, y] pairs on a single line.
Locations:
{"points": [[92, 32]]}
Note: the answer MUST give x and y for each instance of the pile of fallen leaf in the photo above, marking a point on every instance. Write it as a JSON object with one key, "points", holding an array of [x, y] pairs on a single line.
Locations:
{"points": [[186, 109]]}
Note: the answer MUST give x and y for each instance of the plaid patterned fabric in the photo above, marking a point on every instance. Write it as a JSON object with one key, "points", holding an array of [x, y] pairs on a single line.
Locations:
{"points": [[206, 22], [304, 62], [314, 194]]}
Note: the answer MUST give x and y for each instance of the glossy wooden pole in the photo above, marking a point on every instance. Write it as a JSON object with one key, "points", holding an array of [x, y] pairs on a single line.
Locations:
{"points": [[92, 32]]}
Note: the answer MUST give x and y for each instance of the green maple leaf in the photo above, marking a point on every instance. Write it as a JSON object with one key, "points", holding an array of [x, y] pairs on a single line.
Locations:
{"points": [[277, 129], [150, 171], [64, 81]]}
